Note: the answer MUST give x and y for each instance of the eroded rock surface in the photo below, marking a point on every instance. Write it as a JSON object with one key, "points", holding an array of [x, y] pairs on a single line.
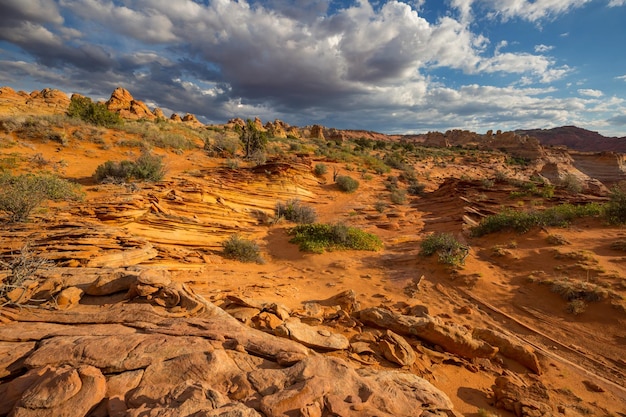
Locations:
{"points": [[168, 352]]}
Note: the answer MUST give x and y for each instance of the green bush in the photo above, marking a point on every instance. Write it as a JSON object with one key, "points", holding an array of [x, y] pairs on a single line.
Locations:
{"points": [[346, 183], [319, 237], [223, 146], [21, 194], [320, 170], [147, 167], [450, 251], [95, 113], [295, 211], [523, 221], [416, 188], [240, 249], [398, 196], [615, 209]]}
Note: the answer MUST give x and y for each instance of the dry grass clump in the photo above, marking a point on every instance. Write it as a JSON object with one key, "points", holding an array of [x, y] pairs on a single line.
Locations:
{"points": [[295, 211], [243, 250]]}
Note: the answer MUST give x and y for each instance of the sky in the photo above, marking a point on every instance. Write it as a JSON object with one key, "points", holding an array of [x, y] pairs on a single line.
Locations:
{"points": [[387, 66]]}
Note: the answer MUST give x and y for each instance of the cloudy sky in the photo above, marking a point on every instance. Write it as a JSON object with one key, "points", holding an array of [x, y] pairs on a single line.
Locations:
{"points": [[389, 66]]}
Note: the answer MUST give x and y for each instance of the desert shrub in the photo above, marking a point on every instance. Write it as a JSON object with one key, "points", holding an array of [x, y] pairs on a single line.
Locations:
{"points": [[416, 188], [147, 167], [347, 183], [380, 206], [295, 211], [319, 237], [95, 113], [21, 194], [450, 251], [252, 138], [320, 170], [240, 249], [258, 157], [113, 171], [571, 183], [615, 209], [391, 183], [576, 307], [223, 146], [398, 196], [19, 269], [523, 221], [395, 160]]}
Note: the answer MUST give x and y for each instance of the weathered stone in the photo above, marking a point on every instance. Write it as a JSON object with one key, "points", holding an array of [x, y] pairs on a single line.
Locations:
{"points": [[108, 284], [12, 356], [311, 336], [510, 348], [115, 353], [63, 392], [523, 400], [396, 349], [338, 388], [451, 338], [69, 297]]}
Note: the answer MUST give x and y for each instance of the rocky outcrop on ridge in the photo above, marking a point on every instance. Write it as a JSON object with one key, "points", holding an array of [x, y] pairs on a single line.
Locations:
{"points": [[46, 101], [122, 102]]}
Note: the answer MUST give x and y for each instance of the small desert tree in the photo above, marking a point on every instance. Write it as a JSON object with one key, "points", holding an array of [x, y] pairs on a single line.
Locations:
{"points": [[253, 139], [88, 111]]}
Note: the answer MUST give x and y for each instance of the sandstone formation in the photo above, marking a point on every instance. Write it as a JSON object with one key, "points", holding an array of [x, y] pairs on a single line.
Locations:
{"points": [[145, 357], [122, 102], [46, 101]]}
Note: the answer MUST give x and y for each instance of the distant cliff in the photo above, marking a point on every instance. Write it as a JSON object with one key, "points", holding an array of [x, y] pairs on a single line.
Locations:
{"points": [[576, 138]]}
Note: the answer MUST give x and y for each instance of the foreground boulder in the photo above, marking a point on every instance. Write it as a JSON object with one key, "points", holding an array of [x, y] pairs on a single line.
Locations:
{"points": [[453, 339]]}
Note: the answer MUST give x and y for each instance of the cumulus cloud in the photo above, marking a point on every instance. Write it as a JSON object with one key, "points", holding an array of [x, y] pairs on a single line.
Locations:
{"points": [[590, 92], [531, 11], [540, 49], [617, 3]]}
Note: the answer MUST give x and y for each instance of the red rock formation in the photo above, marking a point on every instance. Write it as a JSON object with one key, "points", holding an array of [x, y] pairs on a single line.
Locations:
{"points": [[175, 118], [122, 102]]}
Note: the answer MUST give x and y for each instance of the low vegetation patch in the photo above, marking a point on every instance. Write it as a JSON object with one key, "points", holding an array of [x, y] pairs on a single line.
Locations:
{"points": [[523, 221], [295, 211], [20, 269], [147, 167], [615, 209], [450, 251], [243, 250], [320, 237], [347, 183], [577, 293], [21, 194], [95, 113]]}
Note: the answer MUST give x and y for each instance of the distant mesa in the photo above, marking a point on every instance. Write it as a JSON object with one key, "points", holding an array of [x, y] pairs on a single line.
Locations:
{"points": [[576, 138]]}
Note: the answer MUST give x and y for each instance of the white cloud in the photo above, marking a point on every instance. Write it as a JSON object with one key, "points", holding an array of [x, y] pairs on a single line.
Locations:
{"points": [[622, 77], [617, 3], [590, 92], [540, 49], [532, 11]]}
